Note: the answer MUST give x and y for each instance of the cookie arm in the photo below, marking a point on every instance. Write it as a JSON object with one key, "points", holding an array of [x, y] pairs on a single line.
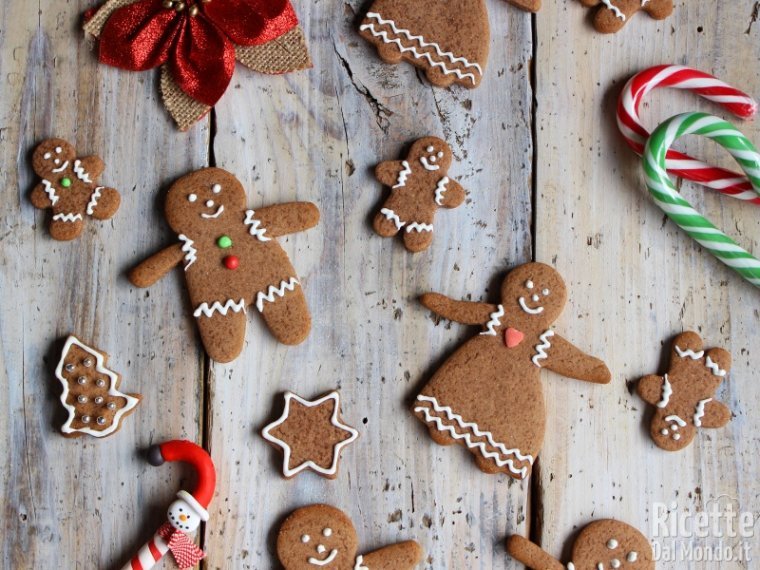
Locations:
{"points": [[156, 266], [387, 172], [402, 556], [531, 555], [716, 415], [566, 359], [465, 312], [650, 389], [93, 166], [453, 196], [40, 198], [288, 218]]}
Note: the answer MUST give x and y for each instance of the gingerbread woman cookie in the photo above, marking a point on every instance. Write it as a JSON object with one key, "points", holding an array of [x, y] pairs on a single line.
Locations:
{"points": [[612, 15], [684, 398], [323, 536], [69, 188], [602, 544], [232, 260], [448, 40], [419, 186], [487, 396]]}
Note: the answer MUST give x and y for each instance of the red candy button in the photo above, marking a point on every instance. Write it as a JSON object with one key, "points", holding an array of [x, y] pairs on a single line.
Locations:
{"points": [[231, 262]]}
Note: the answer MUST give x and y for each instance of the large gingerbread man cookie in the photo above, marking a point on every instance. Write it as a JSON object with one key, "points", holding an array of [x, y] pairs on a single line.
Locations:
{"points": [[487, 396], [684, 398], [69, 188], [447, 40], [232, 260], [321, 536], [419, 186], [612, 15]]}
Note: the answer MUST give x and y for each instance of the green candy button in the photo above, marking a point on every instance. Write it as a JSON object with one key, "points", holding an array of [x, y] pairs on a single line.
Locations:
{"points": [[66, 182], [224, 242]]}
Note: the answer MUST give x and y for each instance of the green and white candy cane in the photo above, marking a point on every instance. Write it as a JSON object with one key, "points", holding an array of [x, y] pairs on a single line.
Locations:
{"points": [[678, 209]]}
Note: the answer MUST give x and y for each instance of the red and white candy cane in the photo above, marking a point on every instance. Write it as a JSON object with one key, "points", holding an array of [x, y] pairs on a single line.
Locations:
{"points": [[679, 164], [185, 514]]}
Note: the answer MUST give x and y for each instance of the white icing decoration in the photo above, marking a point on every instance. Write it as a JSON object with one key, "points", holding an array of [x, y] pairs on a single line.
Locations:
{"points": [[612, 544], [441, 189], [191, 254], [216, 307], [714, 368], [255, 230], [360, 564], [326, 561], [615, 9], [535, 298], [667, 392], [527, 309], [391, 215], [430, 149], [545, 292], [664, 431], [334, 420], [420, 41], [61, 168], [689, 353], [327, 532], [192, 197], [47, 156], [676, 436], [209, 203], [633, 556], [644, 3], [67, 217], [700, 411], [477, 432], [600, 566], [426, 165], [615, 563], [274, 292], [419, 227], [529, 284], [403, 175], [305, 538], [112, 391], [495, 321], [58, 149], [92, 204], [542, 348], [216, 214], [50, 191], [81, 172], [570, 566], [440, 154], [216, 188], [676, 419]]}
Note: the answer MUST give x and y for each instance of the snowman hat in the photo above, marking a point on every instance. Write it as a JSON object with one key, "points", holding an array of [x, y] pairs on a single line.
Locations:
{"points": [[200, 460]]}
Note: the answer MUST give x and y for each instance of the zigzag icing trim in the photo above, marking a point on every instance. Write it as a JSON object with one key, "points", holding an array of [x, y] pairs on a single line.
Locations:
{"points": [[667, 392], [419, 227], [216, 307], [274, 292], [495, 321], [93, 200], [689, 353], [615, 10], [391, 215], [81, 172], [542, 348], [255, 230], [191, 254], [423, 44], [403, 175], [700, 411], [440, 190], [50, 191], [67, 217], [714, 368], [477, 432]]}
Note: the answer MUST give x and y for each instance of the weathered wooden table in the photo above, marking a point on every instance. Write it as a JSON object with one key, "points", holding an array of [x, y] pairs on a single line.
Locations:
{"points": [[548, 178]]}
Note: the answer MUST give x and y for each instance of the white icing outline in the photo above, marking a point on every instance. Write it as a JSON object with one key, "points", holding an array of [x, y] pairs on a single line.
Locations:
{"points": [[667, 392], [475, 429], [50, 191], [274, 292], [523, 305], [317, 562], [689, 353], [334, 420], [495, 321], [393, 216], [216, 307], [215, 215], [675, 419], [419, 227], [615, 10], [191, 254], [403, 175], [360, 563], [255, 224], [67, 217], [61, 168], [714, 368], [92, 204], [424, 162], [112, 391], [542, 347], [699, 412], [441, 189], [80, 172]]}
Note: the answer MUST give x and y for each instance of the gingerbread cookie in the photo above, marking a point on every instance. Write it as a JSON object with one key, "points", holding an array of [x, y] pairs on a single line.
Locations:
{"points": [[323, 536], [449, 40], [600, 545], [419, 186], [91, 392], [684, 398], [69, 188], [487, 396], [612, 15], [529, 5], [232, 260], [311, 435]]}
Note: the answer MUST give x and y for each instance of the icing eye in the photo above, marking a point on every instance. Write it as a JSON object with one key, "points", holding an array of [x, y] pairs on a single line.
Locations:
{"points": [[440, 154], [535, 298], [429, 149], [57, 161], [58, 150], [216, 188], [433, 159], [327, 532], [632, 556], [209, 203], [192, 198], [305, 538], [47, 156], [529, 284], [612, 544]]}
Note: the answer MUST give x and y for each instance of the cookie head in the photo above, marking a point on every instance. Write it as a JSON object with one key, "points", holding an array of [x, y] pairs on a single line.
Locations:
{"points": [[612, 544], [52, 157], [431, 153], [202, 198], [185, 514], [317, 536], [534, 290]]}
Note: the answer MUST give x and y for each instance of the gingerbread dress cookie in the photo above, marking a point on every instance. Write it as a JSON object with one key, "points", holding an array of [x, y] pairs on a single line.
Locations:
{"points": [[487, 396], [321, 536], [419, 186], [448, 40], [684, 398], [612, 15], [69, 188], [232, 260]]}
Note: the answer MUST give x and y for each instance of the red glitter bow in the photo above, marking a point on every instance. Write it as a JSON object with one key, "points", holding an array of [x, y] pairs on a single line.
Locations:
{"points": [[186, 554], [196, 38]]}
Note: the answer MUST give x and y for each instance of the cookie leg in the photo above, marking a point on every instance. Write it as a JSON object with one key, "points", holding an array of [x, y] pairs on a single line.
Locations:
{"points": [[386, 223], [65, 231], [610, 20], [418, 236], [286, 315], [223, 336], [659, 9]]}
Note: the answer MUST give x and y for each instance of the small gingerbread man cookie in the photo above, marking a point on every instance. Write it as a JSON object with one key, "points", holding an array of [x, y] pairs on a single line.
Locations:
{"points": [[232, 260], [323, 536], [69, 188], [612, 15], [419, 186], [684, 398]]}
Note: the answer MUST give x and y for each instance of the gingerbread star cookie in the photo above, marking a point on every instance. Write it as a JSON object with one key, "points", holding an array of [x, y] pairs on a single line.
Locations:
{"points": [[91, 393], [684, 398], [602, 544], [311, 435], [612, 15], [323, 536], [69, 188]]}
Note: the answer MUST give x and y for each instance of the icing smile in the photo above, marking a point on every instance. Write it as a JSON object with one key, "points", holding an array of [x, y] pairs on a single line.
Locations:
{"points": [[61, 168], [216, 214], [531, 311], [427, 165], [326, 561]]}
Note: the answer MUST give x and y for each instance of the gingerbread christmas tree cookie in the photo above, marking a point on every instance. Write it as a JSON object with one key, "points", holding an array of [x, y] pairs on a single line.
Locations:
{"points": [[232, 261], [612, 15], [684, 398]]}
